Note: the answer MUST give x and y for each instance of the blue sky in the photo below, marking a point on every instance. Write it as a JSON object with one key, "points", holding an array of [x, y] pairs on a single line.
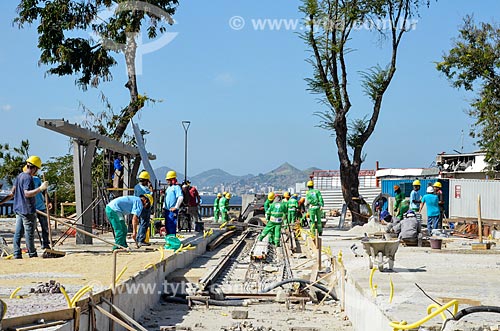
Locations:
{"points": [[244, 91]]}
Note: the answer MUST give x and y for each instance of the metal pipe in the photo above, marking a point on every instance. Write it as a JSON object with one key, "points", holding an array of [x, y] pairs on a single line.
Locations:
{"points": [[82, 231], [298, 280]]}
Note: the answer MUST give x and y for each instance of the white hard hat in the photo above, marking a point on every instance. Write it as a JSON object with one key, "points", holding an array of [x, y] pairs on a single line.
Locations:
{"points": [[430, 189]]}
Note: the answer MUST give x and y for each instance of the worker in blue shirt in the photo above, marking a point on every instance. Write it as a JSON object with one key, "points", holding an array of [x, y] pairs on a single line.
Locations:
{"points": [[42, 219], [415, 197], [173, 201], [126, 205]]}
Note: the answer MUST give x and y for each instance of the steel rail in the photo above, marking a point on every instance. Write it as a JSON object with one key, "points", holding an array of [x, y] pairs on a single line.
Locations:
{"points": [[215, 272]]}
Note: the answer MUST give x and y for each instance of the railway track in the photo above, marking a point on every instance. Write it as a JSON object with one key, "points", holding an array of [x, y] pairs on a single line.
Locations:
{"points": [[247, 267]]}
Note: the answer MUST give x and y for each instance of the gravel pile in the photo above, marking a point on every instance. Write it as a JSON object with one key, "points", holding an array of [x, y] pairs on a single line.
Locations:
{"points": [[51, 287]]}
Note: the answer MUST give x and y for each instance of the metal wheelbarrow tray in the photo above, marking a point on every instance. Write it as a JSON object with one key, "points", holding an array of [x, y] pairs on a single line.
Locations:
{"points": [[381, 252]]}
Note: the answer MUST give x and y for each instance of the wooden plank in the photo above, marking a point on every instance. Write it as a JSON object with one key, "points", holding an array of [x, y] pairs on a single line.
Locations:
{"points": [[50, 316], [124, 316], [41, 326], [114, 318]]}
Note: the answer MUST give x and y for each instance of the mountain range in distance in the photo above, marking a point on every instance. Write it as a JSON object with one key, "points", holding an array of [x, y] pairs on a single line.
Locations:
{"points": [[281, 178]]}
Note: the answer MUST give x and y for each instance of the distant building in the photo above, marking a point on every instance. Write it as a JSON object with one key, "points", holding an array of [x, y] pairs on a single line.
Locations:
{"points": [[464, 166], [330, 179]]}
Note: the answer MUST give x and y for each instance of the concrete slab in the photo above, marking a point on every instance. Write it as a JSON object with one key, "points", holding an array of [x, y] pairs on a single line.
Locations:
{"points": [[455, 271]]}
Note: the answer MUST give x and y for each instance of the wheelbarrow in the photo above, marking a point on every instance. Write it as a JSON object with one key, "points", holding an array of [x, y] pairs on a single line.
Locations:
{"points": [[381, 252]]}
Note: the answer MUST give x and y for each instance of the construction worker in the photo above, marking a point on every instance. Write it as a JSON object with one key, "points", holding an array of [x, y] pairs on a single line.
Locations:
{"points": [[315, 202], [277, 213], [118, 208], [399, 197], [439, 192], [193, 204], [301, 212], [42, 219], [216, 207], [269, 200], [143, 187], [224, 207], [292, 206], [173, 201], [24, 194], [432, 202], [415, 197]]}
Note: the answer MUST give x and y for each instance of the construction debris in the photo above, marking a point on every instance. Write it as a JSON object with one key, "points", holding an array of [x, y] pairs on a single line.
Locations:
{"points": [[246, 326]]}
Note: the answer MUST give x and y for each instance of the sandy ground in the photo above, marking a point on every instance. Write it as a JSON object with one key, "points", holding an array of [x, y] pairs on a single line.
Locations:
{"points": [[263, 316], [83, 265]]}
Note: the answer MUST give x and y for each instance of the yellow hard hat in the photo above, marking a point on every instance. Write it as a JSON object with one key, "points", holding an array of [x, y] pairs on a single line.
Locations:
{"points": [[35, 160], [144, 175], [224, 193], [286, 194], [416, 183], [171, 175], [310, 183], [437, 184], [149, 197], [219, 195], [228, 195], [271, 196]]}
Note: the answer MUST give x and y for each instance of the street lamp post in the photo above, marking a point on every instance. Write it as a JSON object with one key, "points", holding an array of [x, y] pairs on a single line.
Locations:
{"points": [[185, 125]]}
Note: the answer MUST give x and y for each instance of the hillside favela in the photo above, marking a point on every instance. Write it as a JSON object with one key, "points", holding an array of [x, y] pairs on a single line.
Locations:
{"points": [[285, 165]]}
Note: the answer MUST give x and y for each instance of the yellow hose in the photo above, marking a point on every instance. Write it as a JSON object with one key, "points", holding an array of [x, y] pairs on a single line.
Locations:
{"points": [[79, 295], [120, 274], [370, 281], [391, 284], [63, 291], [162, 254], [13, 294], [179, 249], [149, 266], [80, 290], [403, 325]]}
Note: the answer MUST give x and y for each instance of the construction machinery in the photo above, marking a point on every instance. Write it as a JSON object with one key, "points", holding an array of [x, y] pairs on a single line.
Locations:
{"points": [[253, 213]]}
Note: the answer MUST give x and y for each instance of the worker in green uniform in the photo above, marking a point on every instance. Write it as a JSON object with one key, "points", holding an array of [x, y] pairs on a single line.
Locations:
{"points": [[269, 201], [277, 213], [315, 202], [399, 197], [292, 206], [224, 207], [216, 207]]}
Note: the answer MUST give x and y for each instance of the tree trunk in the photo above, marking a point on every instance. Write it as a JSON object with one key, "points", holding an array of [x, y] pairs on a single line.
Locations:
{"points": [[134, 106], [349, 176]]}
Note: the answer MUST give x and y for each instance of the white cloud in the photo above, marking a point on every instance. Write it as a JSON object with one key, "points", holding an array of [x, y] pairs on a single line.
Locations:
{"points": [[6, 107], [225, 79]]}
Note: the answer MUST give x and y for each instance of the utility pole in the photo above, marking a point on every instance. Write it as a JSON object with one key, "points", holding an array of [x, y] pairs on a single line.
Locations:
{"points": [[185, 125]]}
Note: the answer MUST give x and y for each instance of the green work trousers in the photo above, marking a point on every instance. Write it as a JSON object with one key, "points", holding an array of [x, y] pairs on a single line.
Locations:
{"points": [[216, 214], [224, 215], [292, 217], [119, 227], [274, 229], [315, 220]]}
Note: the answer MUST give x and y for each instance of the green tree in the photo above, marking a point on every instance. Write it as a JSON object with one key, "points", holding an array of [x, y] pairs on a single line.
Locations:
{"points": [[61, 24], [473, 63], [12, 160], [58, 172], [332, 25]]}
